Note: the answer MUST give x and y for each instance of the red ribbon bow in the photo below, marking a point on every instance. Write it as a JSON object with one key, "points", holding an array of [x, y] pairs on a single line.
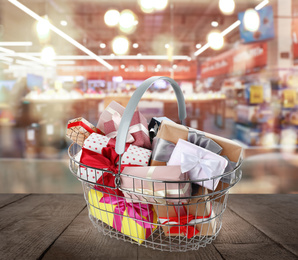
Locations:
{"points": [[189, 231]]}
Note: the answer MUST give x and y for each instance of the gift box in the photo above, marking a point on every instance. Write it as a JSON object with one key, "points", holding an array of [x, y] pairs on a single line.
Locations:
{"points": [[199, 163], [79, 129], [194, 219], [110, 119], [154, 125], [168, 135], [132, 219], [144, 183], [98, 152]]}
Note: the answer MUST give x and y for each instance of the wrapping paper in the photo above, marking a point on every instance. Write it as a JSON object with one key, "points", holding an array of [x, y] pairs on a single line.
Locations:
{"points": [[110, 119], [154, 125], [79, 129], [151, 187], [196, 218], [98, 152], [168, 135], [132, 219], [199, 163]]}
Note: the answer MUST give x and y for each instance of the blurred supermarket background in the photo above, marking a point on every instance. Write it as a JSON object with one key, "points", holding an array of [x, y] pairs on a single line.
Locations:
{"points": [[235, 60]]}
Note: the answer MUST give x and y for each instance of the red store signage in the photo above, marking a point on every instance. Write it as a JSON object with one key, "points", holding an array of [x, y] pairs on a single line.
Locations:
{"points": [[244, 58]]}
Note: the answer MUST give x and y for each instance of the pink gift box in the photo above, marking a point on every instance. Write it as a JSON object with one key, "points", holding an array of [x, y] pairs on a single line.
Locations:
{"points": [[133, 155], [199, 163], [146, 189], [138, 133]]}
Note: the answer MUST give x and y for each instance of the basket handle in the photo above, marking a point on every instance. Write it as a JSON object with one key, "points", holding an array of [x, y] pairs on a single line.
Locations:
{"points": [[133, 102]]}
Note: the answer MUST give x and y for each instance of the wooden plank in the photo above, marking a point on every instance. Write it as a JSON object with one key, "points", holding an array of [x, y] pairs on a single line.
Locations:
{"points": [[6, 199], [81, 240], [236, 230], [29, 226], [205, 253], [254, 251], [275, 215]]}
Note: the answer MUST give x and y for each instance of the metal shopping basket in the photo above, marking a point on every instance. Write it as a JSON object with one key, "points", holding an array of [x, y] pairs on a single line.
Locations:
{"points": [[153, 219]]}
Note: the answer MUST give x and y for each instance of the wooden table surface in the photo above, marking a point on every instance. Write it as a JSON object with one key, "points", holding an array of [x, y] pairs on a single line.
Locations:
{"points": [[56, 226]]}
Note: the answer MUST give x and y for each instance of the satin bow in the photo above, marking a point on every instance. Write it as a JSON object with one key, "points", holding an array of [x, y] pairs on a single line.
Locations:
{"points": [[137, 211], [194, 164], [189, 231], [116, 118]]}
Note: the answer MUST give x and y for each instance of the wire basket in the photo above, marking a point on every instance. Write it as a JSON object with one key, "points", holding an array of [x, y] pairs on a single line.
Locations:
{"points": [[161, 221]]}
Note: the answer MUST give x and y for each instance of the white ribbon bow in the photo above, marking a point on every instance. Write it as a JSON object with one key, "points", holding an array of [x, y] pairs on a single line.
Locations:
{"points": [[116, 117], [193, 164]]}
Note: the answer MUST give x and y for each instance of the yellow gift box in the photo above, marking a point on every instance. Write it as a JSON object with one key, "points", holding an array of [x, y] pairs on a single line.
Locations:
{"points": [[132, 219]]}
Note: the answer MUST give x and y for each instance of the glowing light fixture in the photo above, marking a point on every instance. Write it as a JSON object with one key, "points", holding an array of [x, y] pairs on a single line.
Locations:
{"points": [[214, 23], [127, 21], [120, 45], [251, 20], [147, 6], [122, 66], [15, 43], [198, 46], [215, 40], [63, 23], [135, 45], [174, 66], [226, 6], [111, 17], [261, 5], [43, 28], [62, 34], [102, 45], [48, 54], [167, 45], [160, 4]]}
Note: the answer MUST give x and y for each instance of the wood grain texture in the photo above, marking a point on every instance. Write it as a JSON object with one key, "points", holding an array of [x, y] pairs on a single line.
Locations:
{"points": [[29, 226], [236, 230], [275, 215], [6, 199], [254, 252], [82, 241], [207, 253]]}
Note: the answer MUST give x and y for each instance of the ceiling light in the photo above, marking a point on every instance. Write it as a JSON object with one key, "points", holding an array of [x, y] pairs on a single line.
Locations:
{"points": [[214, 23], [6, 59], [112, 55], [63, 23], [198, 46], [261, 5], [120, 45], [122, 66], [139, 54], [135, 45], [5, 50], [158, 66], [111, 17], [15, 43], [251, 20], [48, 54], [127, 19], [156, 70], [189, 59], [174, 66], [160, 4], [215, 40], [147, 6], [231, 28], [102, 45], [62, 34], [43, 29], [167, 45], [226, 6]]}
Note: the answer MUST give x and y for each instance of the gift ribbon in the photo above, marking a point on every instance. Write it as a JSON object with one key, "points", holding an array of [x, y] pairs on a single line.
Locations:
{"points": [[189, 231], [116, 118], [162, 149], [198, 137], [136, 211], [85, 126], [194, 164]]}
